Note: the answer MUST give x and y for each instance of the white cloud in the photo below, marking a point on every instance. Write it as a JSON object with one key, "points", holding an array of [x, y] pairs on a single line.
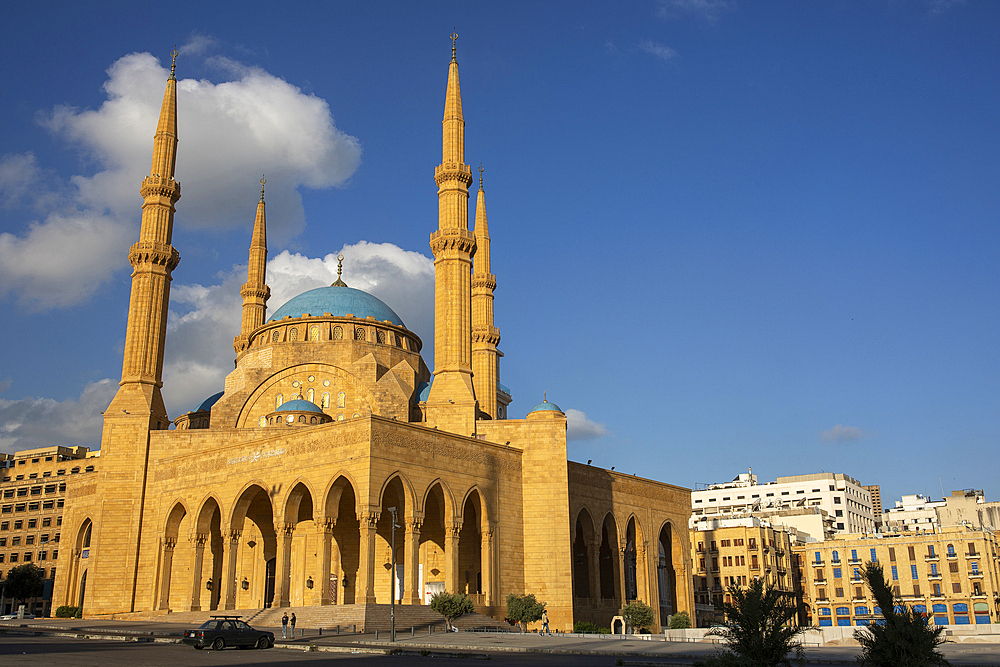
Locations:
{"points": [[28, 423], [229, 134], [656, 49], [197, 44], [579, 427], [204, 319], [707, 10], [841, 433]]}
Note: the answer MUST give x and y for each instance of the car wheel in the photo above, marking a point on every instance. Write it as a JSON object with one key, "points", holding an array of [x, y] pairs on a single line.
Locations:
{"points": [[262, 643], [218, 644]]}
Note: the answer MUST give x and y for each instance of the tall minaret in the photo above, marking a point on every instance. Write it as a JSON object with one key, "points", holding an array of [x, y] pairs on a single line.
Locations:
{"points": [[451, 404], [255, 291], [485, 336], [137, 409]]}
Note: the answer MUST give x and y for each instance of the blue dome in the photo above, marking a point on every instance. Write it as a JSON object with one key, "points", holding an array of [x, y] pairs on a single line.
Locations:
{"points": [[338, 301], [545, 405], [424, 390], [299, 405], [209, 402]]}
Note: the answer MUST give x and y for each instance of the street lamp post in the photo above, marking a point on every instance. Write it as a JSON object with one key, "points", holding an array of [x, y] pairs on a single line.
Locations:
{"points": [[392, 578]]}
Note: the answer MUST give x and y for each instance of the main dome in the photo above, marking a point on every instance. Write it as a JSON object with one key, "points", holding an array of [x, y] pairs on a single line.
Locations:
{"points": [[338, 301]]}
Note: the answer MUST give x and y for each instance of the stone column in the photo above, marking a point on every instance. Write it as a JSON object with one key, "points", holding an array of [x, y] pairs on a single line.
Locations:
{"points": [[622, 578], [283, 566], [167, 561], [364, 591], [594, 569], [198, 544], [411, 566], [231, 547], [486, 566], [325, 537], [451, 532]]}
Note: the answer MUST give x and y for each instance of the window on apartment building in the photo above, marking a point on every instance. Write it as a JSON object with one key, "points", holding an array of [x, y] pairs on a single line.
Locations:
{"points": [[859, 592], [3, 541], [930, 550], [837, 572], [47, 521], [912, 552], [840, 512], [874, 556], [819, 575], [753, 561], [913, 571], [820, 593], [916, 590], [22, 492], [714, 547], [977, 589], [33, 507], [953, 567], [13, 558], [956, 587], [836, 500], [934, 571], [753, 543], [937, 590], [8, 493], [892, 554], [895, 591], [836, 557], [895, 573], [972, 548], [974, 567], [50, 488], [857, 574], [951, 551], [30, 539], [801, 491], [15, 541], [784, 493], [839, 592], [42, 555], [769, 495], [48, 504], [854, 555], [715, 564], [36, 490], [819, 557]]}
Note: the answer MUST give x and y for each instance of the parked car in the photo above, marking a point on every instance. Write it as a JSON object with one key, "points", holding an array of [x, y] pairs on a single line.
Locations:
{"points": [[222, 631], [13, 617]]}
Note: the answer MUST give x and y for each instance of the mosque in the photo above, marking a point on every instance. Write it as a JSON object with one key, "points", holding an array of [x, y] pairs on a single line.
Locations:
{"points": [[332, 440]]}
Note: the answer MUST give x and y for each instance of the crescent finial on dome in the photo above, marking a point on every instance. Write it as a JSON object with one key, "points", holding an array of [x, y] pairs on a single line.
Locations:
{"points": [[340, 269]]}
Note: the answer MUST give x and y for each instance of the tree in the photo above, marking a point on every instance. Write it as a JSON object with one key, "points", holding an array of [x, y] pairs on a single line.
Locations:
{"points": [[25, 581], [903, 638], [680, 621], [757, 630], [524, 609], [451, 605], [637, 614]]}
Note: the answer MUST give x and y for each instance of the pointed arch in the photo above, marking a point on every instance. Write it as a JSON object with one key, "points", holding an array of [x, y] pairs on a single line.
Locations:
{"points": [[332, 492], [409, 496], [292, 508], [202, 523], [485, 514], [171, 524], [446, 493], [244, 497]]}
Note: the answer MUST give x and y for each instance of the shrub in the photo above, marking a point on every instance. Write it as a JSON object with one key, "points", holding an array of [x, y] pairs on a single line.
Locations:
{"points": [[524, 609], [583, 627], [451, 605], [66, 611], [904, 638], [757, 630], [680, 621], [638, 615]]}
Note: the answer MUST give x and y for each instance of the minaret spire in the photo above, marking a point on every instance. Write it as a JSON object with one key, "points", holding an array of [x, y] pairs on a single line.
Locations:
{"points": [[485, 336], [451, 404], [255, 291]]}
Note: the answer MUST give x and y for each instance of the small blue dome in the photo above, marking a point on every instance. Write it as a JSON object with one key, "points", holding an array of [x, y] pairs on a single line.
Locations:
{"points": [[545, 405], [209, 402], [299, 405], [424, 390], [338, 301]]}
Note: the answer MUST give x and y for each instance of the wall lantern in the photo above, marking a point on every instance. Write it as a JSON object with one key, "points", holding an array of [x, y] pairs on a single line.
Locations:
{"points": [[309, 582], [344, 581], [208, 584], [245, 584]]}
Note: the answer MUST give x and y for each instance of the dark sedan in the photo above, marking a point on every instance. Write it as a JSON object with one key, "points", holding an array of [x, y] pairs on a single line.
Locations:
{"points": [[223, 631]]}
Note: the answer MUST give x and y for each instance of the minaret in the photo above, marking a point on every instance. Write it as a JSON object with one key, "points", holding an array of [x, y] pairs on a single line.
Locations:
{"points": [[153, 260], [451, 404], [255, 291], [485, 336], [137, 409]]}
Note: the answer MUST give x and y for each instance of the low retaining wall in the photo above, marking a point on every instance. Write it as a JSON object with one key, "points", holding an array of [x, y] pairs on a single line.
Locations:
{"points": [[844, 636]]}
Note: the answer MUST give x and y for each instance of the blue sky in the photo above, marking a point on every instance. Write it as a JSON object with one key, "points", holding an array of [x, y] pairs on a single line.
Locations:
{"points": [[730, 234]]}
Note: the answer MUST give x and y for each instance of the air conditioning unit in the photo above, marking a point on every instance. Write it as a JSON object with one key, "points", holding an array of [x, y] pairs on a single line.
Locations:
{"points": [[7, 464]]}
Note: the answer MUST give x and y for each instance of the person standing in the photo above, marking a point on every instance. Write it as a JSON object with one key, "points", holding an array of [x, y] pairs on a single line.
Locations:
{"points": [[293, 625], [545, 622], [284, 626]]}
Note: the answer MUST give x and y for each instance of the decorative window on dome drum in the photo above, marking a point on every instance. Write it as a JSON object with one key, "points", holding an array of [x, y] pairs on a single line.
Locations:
{"points": [[311, 395], [326, 399], [278, 400], [340, 418], [314, 332], [399, 342], [302, 419], [275, 336], [380, 337], [263, 421], [312, 420], [293, 334], [341, 399], [359, 334], [294, 397], [338, 333]]}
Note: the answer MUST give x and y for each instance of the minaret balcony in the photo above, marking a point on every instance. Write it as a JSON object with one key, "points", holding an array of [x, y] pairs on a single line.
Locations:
{"points": [[452, 171], [453, 239], [159, 186]]}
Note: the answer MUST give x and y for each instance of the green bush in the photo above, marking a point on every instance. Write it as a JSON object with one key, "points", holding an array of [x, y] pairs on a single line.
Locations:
{"points": [[452, 605], [638, 615], [583, 627], [680, 621], [66, 611], [524, 609]]}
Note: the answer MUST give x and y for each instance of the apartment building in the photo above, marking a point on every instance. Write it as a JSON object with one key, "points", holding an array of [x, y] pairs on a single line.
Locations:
{"points": [[736, 551], [841, 496], [875, 493], [32, 499], [913, 514], [950, 576]]}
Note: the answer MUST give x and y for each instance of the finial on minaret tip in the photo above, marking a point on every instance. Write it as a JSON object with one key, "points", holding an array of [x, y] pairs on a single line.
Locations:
{"points": [[173, 63], [545, 397], [262, 182], [480, 175], [454, 36], [340, 269]]}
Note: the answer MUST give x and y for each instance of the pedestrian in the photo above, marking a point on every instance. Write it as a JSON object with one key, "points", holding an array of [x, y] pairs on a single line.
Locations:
{"points": [[284, 626], [293, 625], [545, 622]]}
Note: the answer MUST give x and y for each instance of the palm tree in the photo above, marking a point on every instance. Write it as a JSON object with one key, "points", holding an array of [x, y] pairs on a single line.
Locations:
{"points": [[758, 629], [902, 637]]}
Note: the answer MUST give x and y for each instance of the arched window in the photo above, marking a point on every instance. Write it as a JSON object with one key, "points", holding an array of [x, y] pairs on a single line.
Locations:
{"points": [[275, 336], [311, 395], [338, 333], [359, 334], [380, 336], [326, 399], [356, 414], [341, 399], [293, 334], [278, 400], [340, 418], [302, 419], [836, 556], [291, 419], [399, 343], [314, 332], [951, 550], [294, 397], [312, 420], [263, 421]]}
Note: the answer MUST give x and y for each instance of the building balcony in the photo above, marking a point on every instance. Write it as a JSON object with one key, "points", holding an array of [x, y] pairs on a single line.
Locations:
{"points": [[934, 577], [978, 574], [973, 555], [935, 557]]}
